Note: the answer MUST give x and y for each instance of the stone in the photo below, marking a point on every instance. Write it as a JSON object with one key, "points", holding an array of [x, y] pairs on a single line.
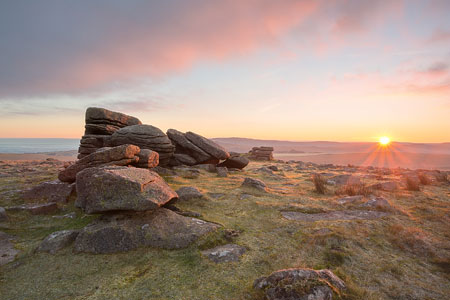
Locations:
{"points": [[333, 215], [50, 191], [96, 115], [145, 137], [57, 241], [273, 168], [184, 146], [36, 209], [207, 145], [379, 202], [147, 159], [222, 171], [300, 284], [350, 199], [388, 186], [207, 167], [160, 228], [3, 215], [7, 251], [225, 253], [101, 129], [185, 159], [188, 192], [254, 183], [261, 153], [114, 188], [187, 172], [344, 179], [120, 156], [236, 162]]}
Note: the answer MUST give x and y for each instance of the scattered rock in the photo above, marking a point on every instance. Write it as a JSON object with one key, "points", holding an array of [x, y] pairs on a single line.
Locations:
{"points": [[161, 228], [207, 145], [265, 170], [216, 195], [3, 215], [344, 179], [225, 253], [51, 191], [222, 171], [301, 284], [388, 186], [187, 172], [7, 251], [121, 188], [145, 137], [350, 199], [120, 156], [188, 192], [36, 209], [254, 183], [379, 202], [207, 167], [244, 196], [57, 241], [273, 168], [333, 216], [236, 162], [71, 215], [261, 153]]}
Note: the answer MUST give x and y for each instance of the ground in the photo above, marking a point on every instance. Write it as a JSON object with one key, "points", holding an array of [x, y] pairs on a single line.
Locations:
{"points": [[404, 254]]}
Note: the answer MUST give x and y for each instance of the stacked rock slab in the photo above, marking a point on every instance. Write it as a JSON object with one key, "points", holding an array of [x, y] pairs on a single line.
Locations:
{"points": [[100, 125], [146, 137], [261, 153], [192, 149]]}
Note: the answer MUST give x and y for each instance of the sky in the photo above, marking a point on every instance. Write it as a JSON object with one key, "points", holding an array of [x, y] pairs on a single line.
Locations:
{"points": [[343, 70]]}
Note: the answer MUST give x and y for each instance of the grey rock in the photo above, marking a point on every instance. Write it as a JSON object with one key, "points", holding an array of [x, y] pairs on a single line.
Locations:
{"points": [[350, 199], [207, 145], [388, 186], [50, 191], [207, 167], [183, 145], [333, 216], [121, 188], [185, 159], [236, 162], [161, 228], [3, 215], [222, 171], [316, 285], [225, 253], [379, 202], [102, 129], [188, 192], [254, 183], [344, 179], [36, 209], [57, 241], [7, 251], [120, 156], [96, 115]]}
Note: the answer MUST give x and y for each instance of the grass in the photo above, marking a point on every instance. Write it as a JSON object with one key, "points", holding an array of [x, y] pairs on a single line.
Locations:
{"points": [[373, 257], [354, 190], [412, 184], [319, 183]]}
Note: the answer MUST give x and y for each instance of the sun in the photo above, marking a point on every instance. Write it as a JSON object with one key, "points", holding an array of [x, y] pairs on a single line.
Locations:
{"points": [[384, 140]]}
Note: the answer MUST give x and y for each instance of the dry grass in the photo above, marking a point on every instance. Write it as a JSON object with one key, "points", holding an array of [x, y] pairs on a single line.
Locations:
{"points": [[353, 190], [412, 184], [319, 183]]}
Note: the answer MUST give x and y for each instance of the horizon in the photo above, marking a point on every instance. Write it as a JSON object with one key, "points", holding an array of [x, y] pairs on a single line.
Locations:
{"points": [[347, 71]]}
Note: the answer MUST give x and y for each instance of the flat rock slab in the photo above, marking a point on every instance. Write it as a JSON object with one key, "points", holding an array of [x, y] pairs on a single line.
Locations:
{"points": [[7, 250], [36, 209], [57, 241], [161, 228], [334, 215], [225, 253], [51, 191]]}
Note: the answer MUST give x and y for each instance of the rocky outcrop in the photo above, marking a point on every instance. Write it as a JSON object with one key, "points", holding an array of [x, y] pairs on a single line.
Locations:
{"points": [[207, 145], [148, 159], [100, 125], [115, 188], [159, 228], [235, 162], [57, 241], [50, 191], [300, 284], [145, 137], [120, 156], [261, 153]]}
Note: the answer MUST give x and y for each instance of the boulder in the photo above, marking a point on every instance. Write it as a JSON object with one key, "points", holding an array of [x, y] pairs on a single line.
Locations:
{"points": [[161, 228], [225, 253], [185, 159], [261, 153], [147, 159], [114, 188], [96, 115], [7, 251], [236, 162], [344, 179], [50, 191], [188, 192], [120, 156], [300, 284], [207, 145], [185, 146], [350, 199], [222, 171], [146, 137], [3, 215], [207, 167], [57, 241], [36, 209], [388, 186], [379, 202], [254, 183]]}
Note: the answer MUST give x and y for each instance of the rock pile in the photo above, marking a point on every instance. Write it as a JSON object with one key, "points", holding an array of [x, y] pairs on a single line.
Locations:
{"points": [[261, 153], [100, 125]]}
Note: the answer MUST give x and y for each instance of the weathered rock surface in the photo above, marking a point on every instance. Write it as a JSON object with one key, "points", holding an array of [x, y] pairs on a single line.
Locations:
{"points": [[344, 179], [3, 215], [188, 192], [237, 162], [254, 183], [96, 115], [185, 159], [222, 171], [379, 202], [7, 251], [120, 156], [207, 145], [145, 137], [299, 284], [121, 188], [350, 199], [185, 146], [51, 191], [388, 186], [147, 159], [333, 216], [261, 153], [161, 228], [57, 241], [225, 253], [36, 209]]}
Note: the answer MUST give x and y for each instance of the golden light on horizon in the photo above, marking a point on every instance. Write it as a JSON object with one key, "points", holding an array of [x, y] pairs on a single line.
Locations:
{"points": [[384, 140]]}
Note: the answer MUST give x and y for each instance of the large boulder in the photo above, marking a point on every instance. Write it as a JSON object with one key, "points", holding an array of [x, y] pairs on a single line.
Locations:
{"points": [[51, 191], [121, 188], [120, 156], [147, 159], [300, 284], [207, 145], [236, 162], [161, 228], [186, 147], [96, 115], [146, 137]]}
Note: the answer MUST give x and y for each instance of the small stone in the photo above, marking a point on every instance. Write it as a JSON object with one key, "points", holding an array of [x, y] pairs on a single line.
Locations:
{"points": [[3, 215], [50, 191], [225, 253], [235, 162], [57, 241], [222, 171], [254, 183], [7, 251], [188, 192], [350, 199], [36, 209]]}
